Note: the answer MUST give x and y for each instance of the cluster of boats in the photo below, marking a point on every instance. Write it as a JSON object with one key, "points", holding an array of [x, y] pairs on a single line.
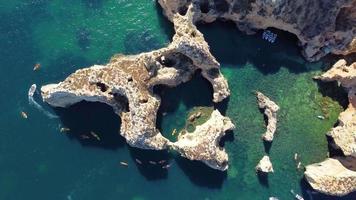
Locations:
{"points": [[269, 36]]}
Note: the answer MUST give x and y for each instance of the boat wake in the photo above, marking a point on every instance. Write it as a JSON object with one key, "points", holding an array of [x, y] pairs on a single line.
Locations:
{"points": [[32, 102]]}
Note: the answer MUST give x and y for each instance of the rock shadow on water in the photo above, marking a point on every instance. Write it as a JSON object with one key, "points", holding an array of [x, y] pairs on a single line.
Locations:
{"points": [[262, 178], [200, 174], [196, 92], [165, 24], [309, 193], [151, 163], [234, 48], [86, 119], [334, 91]]}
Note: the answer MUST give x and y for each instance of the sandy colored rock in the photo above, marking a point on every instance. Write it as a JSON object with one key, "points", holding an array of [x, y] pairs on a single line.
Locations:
{"points": [[126, 84], [331, 177], [344, 134], [265, 165], [270, 109], [321, 26], [203, 143]]}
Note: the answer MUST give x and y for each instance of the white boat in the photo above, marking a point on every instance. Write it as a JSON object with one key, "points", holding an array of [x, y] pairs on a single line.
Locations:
{"points": [[32, 90], [297, 196], [269, 36]]}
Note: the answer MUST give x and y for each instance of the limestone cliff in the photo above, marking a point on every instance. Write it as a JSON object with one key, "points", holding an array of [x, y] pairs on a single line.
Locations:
{"points": [[344, 135], [331, 177], [126, 84], [203, 143], [270, 109], [265, 165], [322, 26]]}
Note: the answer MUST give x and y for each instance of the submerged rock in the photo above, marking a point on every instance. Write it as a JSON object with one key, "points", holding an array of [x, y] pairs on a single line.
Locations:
{"points": [[331, 177], [265, 165], [270, 110], [203, 143], [321, 26]]}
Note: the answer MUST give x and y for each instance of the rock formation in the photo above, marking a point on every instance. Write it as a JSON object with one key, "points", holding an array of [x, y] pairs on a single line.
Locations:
{"points": [[270, 110], [344, 135], [203, 143], [265, 165], [321, 26], [126, 83], [331, 177]]}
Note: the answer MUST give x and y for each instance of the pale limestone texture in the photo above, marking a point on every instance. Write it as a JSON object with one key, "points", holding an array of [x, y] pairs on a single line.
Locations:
{"points": [[321, 26]]}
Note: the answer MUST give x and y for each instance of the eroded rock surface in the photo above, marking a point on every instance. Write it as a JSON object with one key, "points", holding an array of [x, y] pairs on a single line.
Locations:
{"points": [[337, 176], [265, 165], [270, 109], [331, 177], [322, 26], [126, 84], [203, 143], [344, 135]]}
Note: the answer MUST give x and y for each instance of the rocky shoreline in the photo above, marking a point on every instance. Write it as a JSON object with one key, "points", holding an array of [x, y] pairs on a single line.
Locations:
{"points": [[127, 82], [334, 176], [322, 26]]}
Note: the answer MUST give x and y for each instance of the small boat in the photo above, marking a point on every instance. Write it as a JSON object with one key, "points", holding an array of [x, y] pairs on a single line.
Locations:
{"points": [[297, 196], [299, 165], [320, 117], [166, 166], [24, 115], [152, 162], [84, 137], [273, 198], [269, 36], [37, 67], [138, 161], [174, 131], [161, 161], [95, 135], [64, 129], [32, 90], [124, 164], [296, 156]]}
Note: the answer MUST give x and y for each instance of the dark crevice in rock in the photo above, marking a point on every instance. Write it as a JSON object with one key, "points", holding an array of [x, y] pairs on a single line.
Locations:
{"points": [[102, 86]]}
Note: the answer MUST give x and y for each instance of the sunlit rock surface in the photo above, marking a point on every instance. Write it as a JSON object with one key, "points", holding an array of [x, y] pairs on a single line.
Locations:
{"points": [[344, 135], [270, 109], [126, 83], [265, 165], [331, 177], [322, 26], [203, 143]]}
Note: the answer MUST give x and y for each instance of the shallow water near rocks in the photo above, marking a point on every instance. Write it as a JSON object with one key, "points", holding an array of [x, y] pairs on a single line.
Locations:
{"points": [[39, 162]]}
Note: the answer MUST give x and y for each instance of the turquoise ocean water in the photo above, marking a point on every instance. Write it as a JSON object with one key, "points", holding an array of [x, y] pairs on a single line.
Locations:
{"points": [[39, 162]]}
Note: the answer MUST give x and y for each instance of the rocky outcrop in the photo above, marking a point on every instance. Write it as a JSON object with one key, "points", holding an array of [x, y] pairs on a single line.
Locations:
{"points": [[337, 176], [265, 165], [331, 177], [270, 110], [322, 26], [203, 143], [126, 83], [344, 135]]}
